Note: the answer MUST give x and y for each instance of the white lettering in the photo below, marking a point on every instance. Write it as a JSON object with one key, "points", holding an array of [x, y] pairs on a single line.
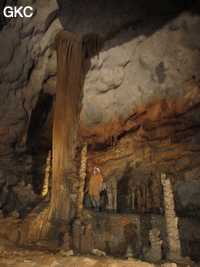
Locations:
{"points": [[17, 11], [9, 13], [13, 12], [31, 14]]}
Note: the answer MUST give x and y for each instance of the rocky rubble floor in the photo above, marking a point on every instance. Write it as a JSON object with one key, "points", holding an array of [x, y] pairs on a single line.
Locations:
{"points": [[12, 255]]}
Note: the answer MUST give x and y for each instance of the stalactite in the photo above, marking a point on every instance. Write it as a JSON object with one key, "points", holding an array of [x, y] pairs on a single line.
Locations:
{"points": [[133, 198], [143, 197], [111, 188], [114, 184], [156, 189], [109, 206], [139, 200], [82, 176], [92, 44], [47, 174], [149, 200]]}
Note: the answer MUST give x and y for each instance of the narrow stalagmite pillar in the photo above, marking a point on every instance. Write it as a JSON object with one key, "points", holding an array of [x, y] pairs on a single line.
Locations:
{"points": [[171, 219], [144, 195], [133, 198], [47, 174], [139, 200], [81, 184], [156, 186], [114, 186], [110, 205], [111, 188], [149, 200], [66, 115]]}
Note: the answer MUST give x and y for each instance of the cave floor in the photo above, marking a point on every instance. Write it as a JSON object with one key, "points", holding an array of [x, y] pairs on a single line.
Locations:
{"points": [[12, 255]]}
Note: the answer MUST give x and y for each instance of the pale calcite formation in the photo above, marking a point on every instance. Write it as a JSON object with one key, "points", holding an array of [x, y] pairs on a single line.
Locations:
{"points": [[154, 254], [170, 216], [82, 176], [47, 174]]}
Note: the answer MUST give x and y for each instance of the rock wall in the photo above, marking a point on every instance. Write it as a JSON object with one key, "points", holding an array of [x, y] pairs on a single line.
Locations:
{"points": [[28, 69], [114, 232], [136, 68]]}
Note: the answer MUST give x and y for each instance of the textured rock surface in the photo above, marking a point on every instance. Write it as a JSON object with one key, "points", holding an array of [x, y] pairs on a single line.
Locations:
{"points": [[113, 233], [27, 64], [135, 70], [11, 255], [154, 254]]}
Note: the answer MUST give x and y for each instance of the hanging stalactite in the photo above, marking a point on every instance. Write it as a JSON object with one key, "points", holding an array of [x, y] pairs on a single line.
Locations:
{"points": [[92, 44], [149, 200], [156, 190]]}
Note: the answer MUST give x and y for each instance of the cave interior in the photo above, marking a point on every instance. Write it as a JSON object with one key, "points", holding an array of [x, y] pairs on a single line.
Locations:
{"points": [[122, 81]]}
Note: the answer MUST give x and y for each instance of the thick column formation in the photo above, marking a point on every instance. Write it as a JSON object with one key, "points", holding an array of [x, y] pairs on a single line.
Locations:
{"points": [[67, 109], [171, 219]]}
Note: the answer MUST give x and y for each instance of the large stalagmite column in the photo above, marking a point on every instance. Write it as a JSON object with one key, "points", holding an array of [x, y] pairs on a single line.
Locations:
{"points": [[69, 77], [171, 219]]}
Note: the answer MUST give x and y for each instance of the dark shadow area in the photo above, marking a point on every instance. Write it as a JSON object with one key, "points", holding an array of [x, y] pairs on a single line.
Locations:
{"points": [[124, 204], [108, 18], [38, 144], [38, 119]]}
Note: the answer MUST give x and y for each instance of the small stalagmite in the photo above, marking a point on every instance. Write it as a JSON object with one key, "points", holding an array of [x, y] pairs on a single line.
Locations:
{"points": [[154, 254]]}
